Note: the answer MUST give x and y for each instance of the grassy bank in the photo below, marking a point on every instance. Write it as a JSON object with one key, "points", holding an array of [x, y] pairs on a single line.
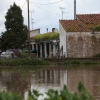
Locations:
{"points": [[85, 62], [22, 62], [37, 61]]}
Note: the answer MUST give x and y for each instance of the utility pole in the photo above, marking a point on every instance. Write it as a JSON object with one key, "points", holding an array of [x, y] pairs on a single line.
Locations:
{"points": [[32, 19], [74, 9], [28, 28]]}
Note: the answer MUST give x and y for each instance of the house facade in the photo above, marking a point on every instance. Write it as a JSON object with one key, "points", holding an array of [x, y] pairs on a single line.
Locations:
{"points": [[81, 37]]}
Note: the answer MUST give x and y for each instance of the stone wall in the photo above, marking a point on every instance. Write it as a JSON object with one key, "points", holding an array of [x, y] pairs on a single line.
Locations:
{"points": [[82, 44]]}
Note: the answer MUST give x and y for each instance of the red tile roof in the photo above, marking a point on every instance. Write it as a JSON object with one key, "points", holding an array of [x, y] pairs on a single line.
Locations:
{"points": [[84, 23]]}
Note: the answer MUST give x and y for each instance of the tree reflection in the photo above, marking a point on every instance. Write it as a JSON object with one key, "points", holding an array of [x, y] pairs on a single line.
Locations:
{"points": [[16, 81]]}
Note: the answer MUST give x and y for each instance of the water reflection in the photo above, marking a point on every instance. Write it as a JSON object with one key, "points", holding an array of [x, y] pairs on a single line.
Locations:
{"points": [[20, 81]]}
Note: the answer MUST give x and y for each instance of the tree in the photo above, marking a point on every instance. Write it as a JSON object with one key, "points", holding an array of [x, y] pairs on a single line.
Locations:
{"points": [[16, 32]]}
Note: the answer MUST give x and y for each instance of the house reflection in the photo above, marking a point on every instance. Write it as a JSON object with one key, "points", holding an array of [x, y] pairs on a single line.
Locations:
{"points": [[42, 80]]}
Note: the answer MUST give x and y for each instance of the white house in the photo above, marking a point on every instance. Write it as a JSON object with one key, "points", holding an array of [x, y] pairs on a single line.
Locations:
{"points": [[80, 37]]}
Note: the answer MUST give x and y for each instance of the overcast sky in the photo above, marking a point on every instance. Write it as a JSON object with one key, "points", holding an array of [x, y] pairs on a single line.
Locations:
{"points": [[47, 13]]}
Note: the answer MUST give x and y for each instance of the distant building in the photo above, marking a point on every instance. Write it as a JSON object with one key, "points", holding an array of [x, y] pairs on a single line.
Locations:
{"points": [[45, 48], [34, 32]]}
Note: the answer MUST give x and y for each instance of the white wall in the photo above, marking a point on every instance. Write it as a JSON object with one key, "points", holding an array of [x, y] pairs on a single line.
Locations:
{"points": [[62, 35], [34, 32]]}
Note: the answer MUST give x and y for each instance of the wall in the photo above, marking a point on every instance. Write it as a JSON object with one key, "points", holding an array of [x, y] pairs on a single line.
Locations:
{"points": [[34, 32], [82, 44], [62, 40]]}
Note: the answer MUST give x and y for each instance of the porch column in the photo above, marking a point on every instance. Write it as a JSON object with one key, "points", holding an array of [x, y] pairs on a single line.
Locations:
{"points": [[54, 50], [32, 46], [45, 50], [49, 50], [45, 78], [37, 49], [40, 50]]}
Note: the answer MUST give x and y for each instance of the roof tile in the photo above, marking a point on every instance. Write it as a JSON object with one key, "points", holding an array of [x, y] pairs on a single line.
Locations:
{"points": [[83, 23]]}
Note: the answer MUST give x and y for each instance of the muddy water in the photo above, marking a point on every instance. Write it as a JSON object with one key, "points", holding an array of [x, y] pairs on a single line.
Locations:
{"points": [[21, 80]]}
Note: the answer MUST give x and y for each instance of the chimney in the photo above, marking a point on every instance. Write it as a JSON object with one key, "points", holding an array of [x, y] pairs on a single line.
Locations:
{"points": [[53, 29], [47, 30], [74, 9]]}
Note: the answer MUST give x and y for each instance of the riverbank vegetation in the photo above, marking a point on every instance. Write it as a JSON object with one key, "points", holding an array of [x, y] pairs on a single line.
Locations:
{"points": [[39, 61], [97, 55], [52, 94], [22, 62], [85, 62]]}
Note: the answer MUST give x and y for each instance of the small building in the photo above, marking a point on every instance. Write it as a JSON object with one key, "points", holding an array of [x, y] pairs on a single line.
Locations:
{"points": [[46, 45], [34, 32], [81, 37]]}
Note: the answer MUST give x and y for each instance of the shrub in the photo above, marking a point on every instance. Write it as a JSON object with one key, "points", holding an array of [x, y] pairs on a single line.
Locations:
{"points": [[97, 28], [26, 55], [9, 96], [97, 55], [75, 62], [23, 61]]}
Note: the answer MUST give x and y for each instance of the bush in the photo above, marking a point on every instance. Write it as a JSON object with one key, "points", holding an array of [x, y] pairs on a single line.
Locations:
{"points": [[26, 55], [23, 61], [97, 55], [75, 62], [9, 96]]}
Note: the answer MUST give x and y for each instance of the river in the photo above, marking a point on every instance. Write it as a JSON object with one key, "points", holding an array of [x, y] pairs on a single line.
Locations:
{"points": [[20, 80]]}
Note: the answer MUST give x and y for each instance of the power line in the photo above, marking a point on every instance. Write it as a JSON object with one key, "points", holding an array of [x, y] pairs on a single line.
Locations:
{"points": [[47, 3], [24, 4], [47, 10]]}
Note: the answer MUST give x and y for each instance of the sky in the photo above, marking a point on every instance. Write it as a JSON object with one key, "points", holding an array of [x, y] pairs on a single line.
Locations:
{"points": [[47, 13]]}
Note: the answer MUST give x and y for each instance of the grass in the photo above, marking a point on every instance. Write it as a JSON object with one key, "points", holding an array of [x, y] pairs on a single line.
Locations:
{"points": [[39, 61], [23, 62], [77, 62]]}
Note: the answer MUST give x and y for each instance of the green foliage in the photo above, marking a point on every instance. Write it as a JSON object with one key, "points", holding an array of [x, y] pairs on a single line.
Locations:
{"points": [[16, 32], [46, 36], [69, 29], [38, 61], [87, 23], [26, 55], [9, 96], [64, 94], [75, 62], [22, 61], [33, 95], [97, 55], [97, 28]]}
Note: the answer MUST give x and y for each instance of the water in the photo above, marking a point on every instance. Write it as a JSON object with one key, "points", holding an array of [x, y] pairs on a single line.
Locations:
{"points": [[21, 80]]}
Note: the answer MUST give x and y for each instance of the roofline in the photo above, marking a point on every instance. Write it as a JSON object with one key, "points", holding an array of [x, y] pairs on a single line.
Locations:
{"points": [[35, 29], [90, 14]]}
